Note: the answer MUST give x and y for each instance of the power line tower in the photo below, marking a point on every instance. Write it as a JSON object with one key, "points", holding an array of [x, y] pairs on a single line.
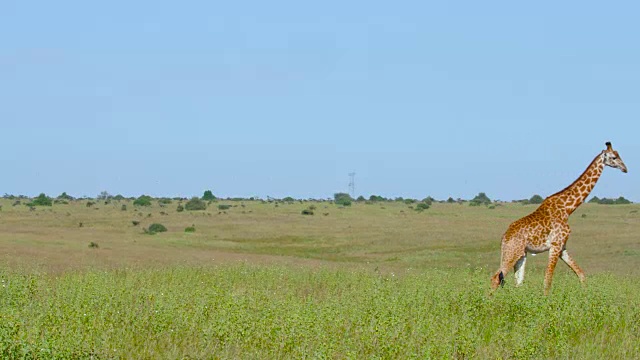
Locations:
{"points": [[352, 184]]}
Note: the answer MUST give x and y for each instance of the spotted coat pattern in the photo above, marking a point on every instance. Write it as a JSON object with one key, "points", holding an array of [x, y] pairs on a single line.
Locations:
{"points": [[547, 228]]}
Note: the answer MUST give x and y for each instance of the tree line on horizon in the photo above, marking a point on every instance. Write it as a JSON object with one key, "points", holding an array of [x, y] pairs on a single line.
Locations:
{"points": [[340, 198]]}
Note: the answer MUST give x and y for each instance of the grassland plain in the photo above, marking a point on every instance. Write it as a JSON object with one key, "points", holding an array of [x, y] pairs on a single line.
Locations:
{"points": [[260, 281]]}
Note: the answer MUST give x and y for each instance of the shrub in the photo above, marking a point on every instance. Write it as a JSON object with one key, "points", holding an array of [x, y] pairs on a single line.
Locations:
{"points": [[307, 212], [376, 198], [190, 229], [123, 207], [195, 204], [60, 201], [227, 207], [288, 199], [41, 200], [156, 228], [343, 199], [410, 201], [135, 222], [361, 199], [480, 199], [90, 203], [450, 200], [536, 199], [594, 200], [65, 196], [143, 200], [422, 206], [118, 197], [428, 200], [180, 208], [164, 201], [93, 245]]}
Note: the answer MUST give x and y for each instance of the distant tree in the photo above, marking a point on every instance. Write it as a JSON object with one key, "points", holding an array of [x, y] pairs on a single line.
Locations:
{"points": [[288, 199], [208, 196], [594, 200], [410, 201], [104, 196], [64, 196], [165, 201], [450, 200], [343, 199], [536, 199], [622, 201], [143, 200], [428, 200], [376, 198], [480, 199], [118, 197], [361, 199], [195, 204], [41, 200]]}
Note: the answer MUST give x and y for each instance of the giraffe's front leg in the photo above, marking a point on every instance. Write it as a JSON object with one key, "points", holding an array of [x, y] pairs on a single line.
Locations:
{"points": [[519, 269], [572, 264], [554, 254]]}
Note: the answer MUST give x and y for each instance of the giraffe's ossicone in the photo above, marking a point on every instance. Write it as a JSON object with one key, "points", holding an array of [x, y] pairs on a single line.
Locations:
{"points": [[547, 228]]}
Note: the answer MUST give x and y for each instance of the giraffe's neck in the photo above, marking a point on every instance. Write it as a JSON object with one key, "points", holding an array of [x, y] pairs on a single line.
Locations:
{"points": [[575, 194]]}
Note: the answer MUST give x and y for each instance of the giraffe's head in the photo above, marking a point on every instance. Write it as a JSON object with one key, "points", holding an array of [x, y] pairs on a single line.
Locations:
{"points": [[497, 280], [613, 159]]}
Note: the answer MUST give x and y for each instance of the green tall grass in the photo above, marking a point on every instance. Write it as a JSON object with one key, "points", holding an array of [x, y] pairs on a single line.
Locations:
{"points": [[245, 311]]}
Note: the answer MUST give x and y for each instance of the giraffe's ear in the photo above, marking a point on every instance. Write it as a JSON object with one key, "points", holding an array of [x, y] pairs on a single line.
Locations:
{"points": [[501, 278]]}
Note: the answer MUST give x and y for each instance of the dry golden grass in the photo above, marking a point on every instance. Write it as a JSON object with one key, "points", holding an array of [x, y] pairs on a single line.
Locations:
{"points": [[385, 235]]}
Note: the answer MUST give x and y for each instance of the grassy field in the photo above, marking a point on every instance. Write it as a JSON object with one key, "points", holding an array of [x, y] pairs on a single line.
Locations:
{"points": [[259, 281]]}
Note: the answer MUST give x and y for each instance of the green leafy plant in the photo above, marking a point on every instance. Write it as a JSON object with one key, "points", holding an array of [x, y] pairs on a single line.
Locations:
{"points": [[143, 200], [41, 200], [156, 228], [195, 204]]}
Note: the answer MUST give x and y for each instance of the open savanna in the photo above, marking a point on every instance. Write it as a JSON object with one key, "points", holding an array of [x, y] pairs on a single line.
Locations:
{"points": [[376, 280]]}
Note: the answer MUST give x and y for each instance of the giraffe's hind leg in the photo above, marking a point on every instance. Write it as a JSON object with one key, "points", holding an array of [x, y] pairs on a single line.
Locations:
{"points": [[572, 264], [519, 269]]}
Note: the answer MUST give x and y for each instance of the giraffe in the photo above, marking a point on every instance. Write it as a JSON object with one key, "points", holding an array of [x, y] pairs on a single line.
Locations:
{"points": [[547, 228]]}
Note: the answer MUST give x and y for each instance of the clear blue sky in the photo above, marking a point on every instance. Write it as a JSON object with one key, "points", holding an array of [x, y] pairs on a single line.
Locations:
{"points": [[285, 98]]}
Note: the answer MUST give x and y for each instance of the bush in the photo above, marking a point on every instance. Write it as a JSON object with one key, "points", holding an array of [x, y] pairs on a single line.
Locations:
{"points": [[65, 196], [307, 212], [195, 204], [536, 199], [135, 222], [343, 199], [143, 200], [156, 228], [227, 207], [288, 199], [428, 200], [90, 203], [93, 245], [450, 200], [410, 201], [41, 200], [190, 229], [422, 206], [480, 199], [376, 198], [164, 201], [594, 200], [123, 207], [180, 208], [208, 196]]}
